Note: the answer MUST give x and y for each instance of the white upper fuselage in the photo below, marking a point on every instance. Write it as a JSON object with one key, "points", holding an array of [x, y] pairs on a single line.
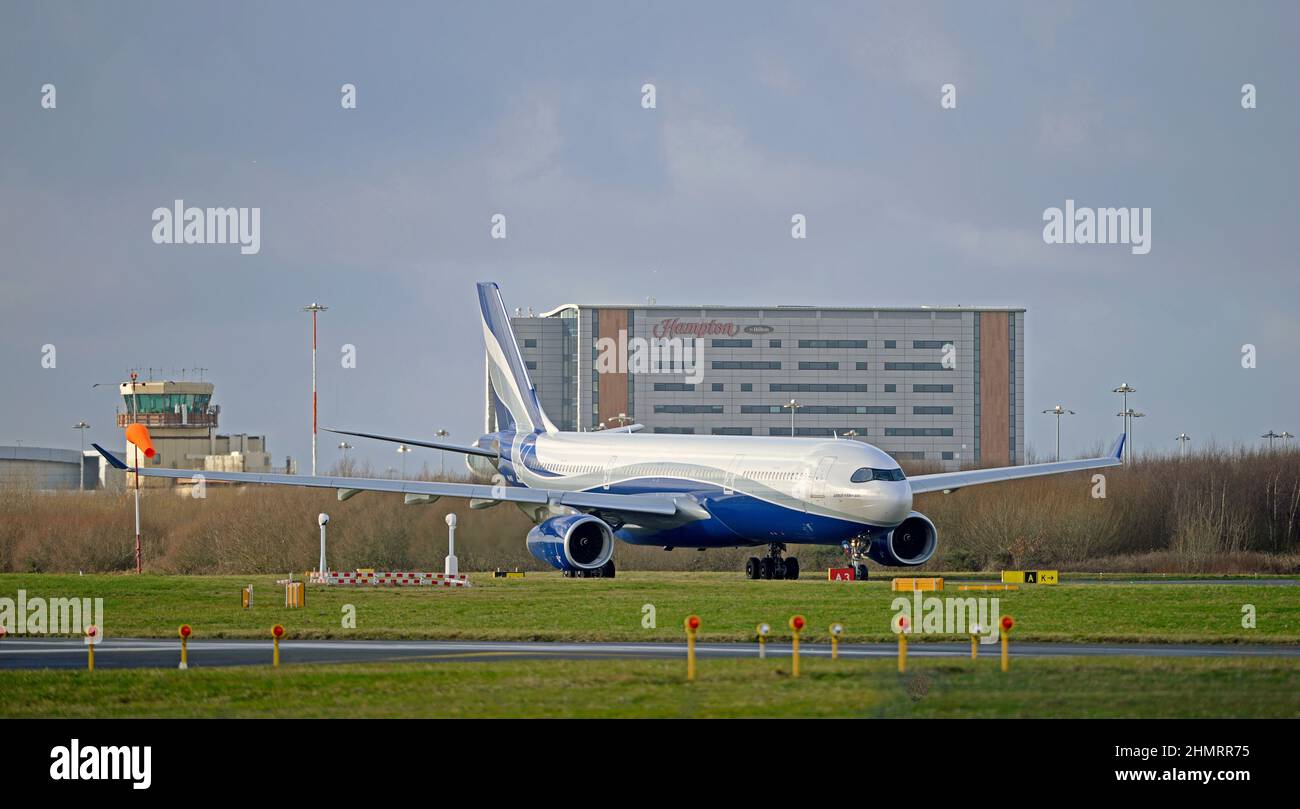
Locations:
{"points": [[810, 475]]}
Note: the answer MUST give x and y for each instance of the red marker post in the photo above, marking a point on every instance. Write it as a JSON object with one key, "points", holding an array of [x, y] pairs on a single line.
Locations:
{"points": [[92, 637], [185, 633], [692, 626], [277, 632], [1007, 623], [796, 626]]}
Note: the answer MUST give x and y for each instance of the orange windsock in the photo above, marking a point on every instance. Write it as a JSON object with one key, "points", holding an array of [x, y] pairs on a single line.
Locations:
{"points": [[138, 434]]}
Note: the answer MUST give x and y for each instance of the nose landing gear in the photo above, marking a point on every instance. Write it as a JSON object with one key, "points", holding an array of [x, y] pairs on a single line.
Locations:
{"points": [[856, 550], [772, 566]]}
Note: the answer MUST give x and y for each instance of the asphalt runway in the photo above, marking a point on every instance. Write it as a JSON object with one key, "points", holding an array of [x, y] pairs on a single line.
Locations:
{"points": [[142, 653]]}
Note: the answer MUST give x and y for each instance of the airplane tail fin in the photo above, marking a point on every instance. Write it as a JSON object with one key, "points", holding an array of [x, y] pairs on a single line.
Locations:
{"points": [[512, 393]]}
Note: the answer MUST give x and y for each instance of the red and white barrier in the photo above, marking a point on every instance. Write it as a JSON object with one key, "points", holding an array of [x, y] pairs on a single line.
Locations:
{"points": [[391, 579]]}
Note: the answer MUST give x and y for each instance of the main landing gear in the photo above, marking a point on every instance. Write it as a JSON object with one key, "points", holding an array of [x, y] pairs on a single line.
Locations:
{"points": [[772, 566], [856, 550]]}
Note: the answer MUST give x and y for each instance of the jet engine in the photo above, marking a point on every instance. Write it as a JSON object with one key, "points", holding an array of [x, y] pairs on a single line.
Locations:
{"points": [[913, 542], [576, 542]]}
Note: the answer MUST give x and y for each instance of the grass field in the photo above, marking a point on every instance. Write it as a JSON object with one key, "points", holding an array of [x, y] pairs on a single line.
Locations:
{"points": [[657, 688], [545, 606]]}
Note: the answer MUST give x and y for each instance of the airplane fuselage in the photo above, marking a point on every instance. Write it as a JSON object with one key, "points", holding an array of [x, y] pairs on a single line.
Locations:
{"points": [[750, 490]]}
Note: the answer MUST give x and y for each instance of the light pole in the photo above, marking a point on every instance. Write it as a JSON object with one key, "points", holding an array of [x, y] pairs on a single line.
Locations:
{"points": [[1270, 435], [1182, 439], [793, 406], [1124, 390], [1286, 439], [314, 308], [346, 469], [442, 453], [81, 427], [1059, 411], [402, 449]]}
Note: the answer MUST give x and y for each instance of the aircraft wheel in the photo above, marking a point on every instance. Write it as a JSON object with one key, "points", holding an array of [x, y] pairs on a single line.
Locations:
{"points": [[792, 568], [778, 568], [753, 568], [767, 568], [860, 572], [607, 570]]}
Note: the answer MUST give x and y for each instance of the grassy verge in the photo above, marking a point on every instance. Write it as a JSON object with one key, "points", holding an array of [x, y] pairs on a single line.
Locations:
{"points": [[656, 688], [547, 607]]}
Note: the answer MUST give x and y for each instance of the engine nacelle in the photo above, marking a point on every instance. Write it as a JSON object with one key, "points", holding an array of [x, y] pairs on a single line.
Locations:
{"points": [[913, 542], [573, 542]]}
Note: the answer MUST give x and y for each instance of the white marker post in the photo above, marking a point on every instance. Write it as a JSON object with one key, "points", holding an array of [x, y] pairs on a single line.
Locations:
{"points": [[451, 566], [322, 519]]}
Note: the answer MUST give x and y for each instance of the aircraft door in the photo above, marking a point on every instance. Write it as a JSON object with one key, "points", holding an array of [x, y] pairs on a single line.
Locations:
{"points": [[819, 476]]}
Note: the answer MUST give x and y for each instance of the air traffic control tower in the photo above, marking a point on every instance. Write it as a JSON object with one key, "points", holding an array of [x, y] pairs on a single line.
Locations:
{"points": [[182, 421]]}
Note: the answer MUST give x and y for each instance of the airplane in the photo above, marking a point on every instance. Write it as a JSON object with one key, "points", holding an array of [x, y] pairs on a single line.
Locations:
{"points": [[583, 489]]}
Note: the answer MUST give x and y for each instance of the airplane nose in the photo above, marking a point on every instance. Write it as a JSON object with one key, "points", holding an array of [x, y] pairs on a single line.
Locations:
{"points": [[897, 502]]}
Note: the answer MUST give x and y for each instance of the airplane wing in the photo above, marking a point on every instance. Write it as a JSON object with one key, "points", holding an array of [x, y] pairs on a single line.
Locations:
{"points": [[593, 501], [951, 481], [486, 453]]}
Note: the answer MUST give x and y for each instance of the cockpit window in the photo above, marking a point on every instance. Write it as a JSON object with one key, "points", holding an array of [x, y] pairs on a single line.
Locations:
{"points": [[867, 474]]}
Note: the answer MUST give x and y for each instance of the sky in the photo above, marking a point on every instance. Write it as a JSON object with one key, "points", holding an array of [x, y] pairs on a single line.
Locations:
{"points": [[762, 111]]}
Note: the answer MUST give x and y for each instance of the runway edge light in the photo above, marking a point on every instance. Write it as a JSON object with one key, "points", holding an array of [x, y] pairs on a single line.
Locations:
{"points": [[901, 629], [1007, 623], [692, 624], [796, 626], [277, 632], [185, 633]]}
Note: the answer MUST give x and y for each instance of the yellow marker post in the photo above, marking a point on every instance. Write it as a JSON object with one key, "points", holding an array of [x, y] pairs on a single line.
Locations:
{"points": [[902, 644], [1007, 623], [974, 641], [185, 633], [836, 631], [796, 626], [277, 632], [692, 626], [762, 631]]}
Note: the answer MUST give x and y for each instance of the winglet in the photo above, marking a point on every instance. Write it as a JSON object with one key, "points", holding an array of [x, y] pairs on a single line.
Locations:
{"points": [[112, 459], [1117, 451]]}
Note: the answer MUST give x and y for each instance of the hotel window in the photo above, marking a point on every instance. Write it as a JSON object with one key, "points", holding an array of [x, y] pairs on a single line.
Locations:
{"points": [[746, 365], [732, 343], [915, 366], [530, 343], [919, 432], [832, 343], [681, 408], [746, 387], [815, 387], [531, 365], [675, 430], [891, 344], [717, 386], [932, 343], [861, 366], [891, 389], [931, 410], [932, 389], [674, 386], [773, 343], [819, 366], [733, 431]]}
